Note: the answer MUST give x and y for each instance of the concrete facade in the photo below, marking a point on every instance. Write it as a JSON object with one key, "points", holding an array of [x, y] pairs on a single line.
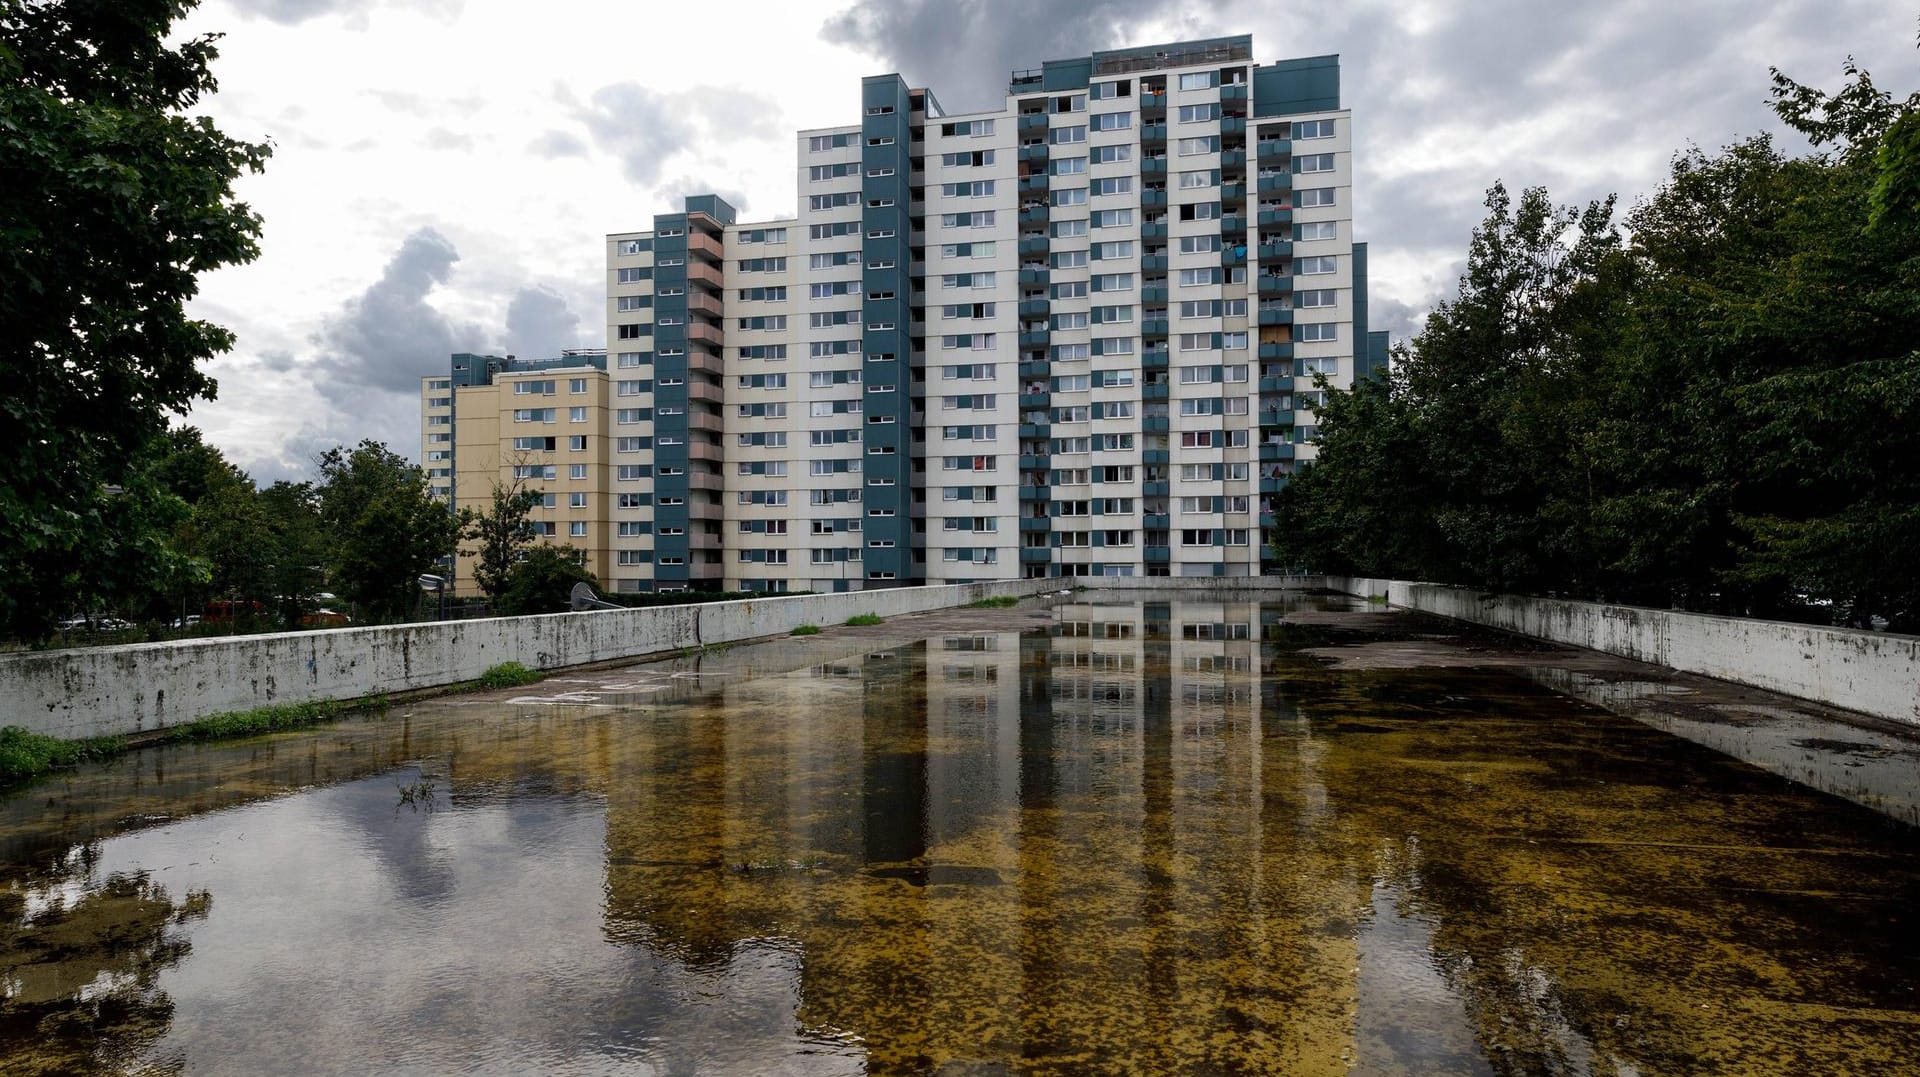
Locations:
{"points": [[1875, 673]]}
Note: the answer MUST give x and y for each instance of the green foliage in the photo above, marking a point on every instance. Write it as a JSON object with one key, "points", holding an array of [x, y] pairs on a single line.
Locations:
{"points": [[25, 755], [1720, 414], [861, 620], [805, 630], [113, 200], [509, 675], [500, 534], [272, 719], [998, 602], [383, 528], [542, 581]]}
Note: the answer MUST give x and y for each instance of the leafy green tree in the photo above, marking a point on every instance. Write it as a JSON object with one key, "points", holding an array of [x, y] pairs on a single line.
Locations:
{"points": [[501, 534], [383, 528], [292, 511], [542, 580], [113, 200]]}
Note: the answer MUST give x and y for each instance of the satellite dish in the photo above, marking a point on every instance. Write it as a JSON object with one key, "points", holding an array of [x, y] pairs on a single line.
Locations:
{"points": [[584, 599]]}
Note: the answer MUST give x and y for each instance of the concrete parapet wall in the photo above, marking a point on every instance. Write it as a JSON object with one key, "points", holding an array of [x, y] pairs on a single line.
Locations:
{"points": [[1875, 673], [137, 688]]}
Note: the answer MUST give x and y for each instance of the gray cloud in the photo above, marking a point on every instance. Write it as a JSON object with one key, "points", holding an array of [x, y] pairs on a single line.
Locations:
{"points": [[540, 323], [645, 128], [388, 337], [439, 138], [919, 39], [557, 144]]}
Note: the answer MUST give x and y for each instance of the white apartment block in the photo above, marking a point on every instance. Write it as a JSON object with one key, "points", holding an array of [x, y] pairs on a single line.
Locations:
{"points": [[1073, 336]]}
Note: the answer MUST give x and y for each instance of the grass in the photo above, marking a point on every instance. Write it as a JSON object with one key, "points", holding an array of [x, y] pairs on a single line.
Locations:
{"points": [[861, 620], [24, 755], [805, 630], [508, 675], [998, 602]]}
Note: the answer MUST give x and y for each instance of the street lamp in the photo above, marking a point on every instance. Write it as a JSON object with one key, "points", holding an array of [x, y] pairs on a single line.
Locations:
{"points": [[438, 585]]}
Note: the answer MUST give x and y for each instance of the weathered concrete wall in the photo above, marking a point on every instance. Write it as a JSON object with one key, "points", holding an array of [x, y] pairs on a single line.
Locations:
{"points": [[98, 691], [1872, 672]]}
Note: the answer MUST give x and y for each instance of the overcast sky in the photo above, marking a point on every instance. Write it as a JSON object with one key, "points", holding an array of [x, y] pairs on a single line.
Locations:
{"points": [[444, 172]]}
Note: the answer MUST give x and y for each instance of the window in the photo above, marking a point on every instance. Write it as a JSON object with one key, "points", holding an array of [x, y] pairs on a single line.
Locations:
{"points": [[977, 219], [1199, 80], [1113, 282], [971, 189], [577, 443], [576, 471], [1070, 321], [1107, 91], [1315, 264], [1060, 136], [1188, 147], [1198, 113], [577, 529], [533, 415], [576, 415], [628, 247], [1199, 244], [1191, 278], [1112, 218], [1318, 331], [1067, 166], [577, 501], [967, 159], [1070, 196], [1205, 177], [1070, 260], [1106, 155], [1069, 229], [974, 128], [1111, 121], [762, 235], [1316, 297], [629, 332], [1316, 196], [1317, 230], [1113, 185], [631, 276], [1313, 162], [1073, 289], [1313, 129], [1108, 251]]}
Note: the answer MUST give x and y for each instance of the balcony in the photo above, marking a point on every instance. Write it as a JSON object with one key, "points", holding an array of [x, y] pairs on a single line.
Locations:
{"points": [[1276, 317], [1154, 392], [1273, 452], [1154, 263], [1033, 308], [1235, 255], [1029, 524], [1034, 276], [704, 273], [1152, 488], [1159, 553], [1032, 121], [1035, 400], [1276, 351], [1272, 484], [1154, 359], [702, 245], [1153, 166], [1035, 152], [1156, 521], [1033, 370], [1034, 214], [1033, 245], [1153, 132], [1233, 224], [1232, 125], [1033, 340], [704, 333], [1035, 430], [1035, 555], [1232, 194], [1030, 462], [1273, 217], [1275, 184], [1232, 159], [1153, 198], [1158, 424], [1275, 385], [1153, 295], [1154, 328], [1273, 249], [1274, 284], [1154, 230], [1234, 91], [1274, 150], [1036, 183], [1153, 104]]}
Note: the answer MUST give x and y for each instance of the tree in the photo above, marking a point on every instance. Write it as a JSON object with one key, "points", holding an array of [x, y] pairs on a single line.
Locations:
{"points": [[501, 534], [112, 202], [383, 528], [543, 580]]}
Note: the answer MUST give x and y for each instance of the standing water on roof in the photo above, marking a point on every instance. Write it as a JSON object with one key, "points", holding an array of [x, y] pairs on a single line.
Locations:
{"points": [[1141, 836]]}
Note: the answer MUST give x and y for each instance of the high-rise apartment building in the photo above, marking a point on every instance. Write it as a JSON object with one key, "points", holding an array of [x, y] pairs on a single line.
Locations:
{"points": [[1076, 335]]}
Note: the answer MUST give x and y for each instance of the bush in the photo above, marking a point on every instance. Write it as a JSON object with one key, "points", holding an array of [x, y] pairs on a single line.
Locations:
{"points": [[860, 620], [508, 675], [25, 755], [805, 630]]}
